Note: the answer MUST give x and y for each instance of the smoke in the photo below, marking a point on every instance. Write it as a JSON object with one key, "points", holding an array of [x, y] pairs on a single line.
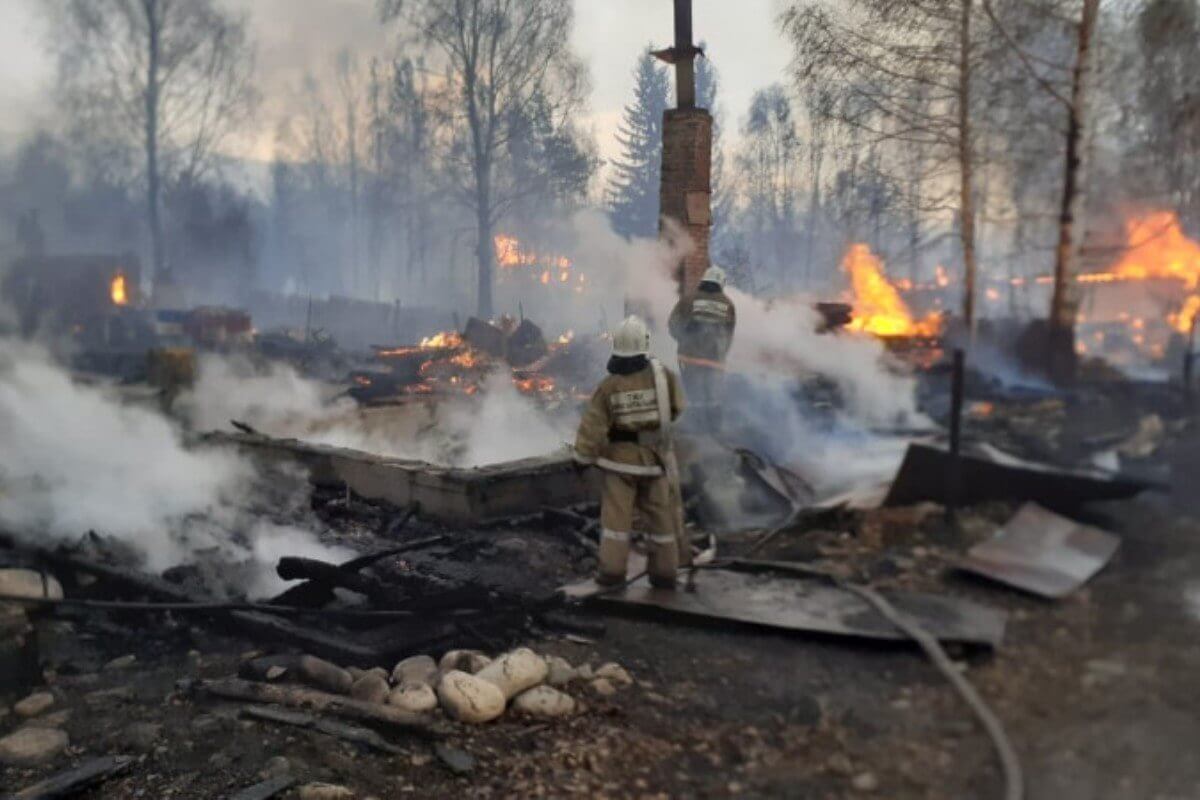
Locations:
{"points": [[76, 459], [496, 424]]}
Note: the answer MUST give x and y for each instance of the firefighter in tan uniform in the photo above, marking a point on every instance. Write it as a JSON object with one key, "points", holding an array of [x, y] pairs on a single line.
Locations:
{"points": [[626, 432], [703, 325]]}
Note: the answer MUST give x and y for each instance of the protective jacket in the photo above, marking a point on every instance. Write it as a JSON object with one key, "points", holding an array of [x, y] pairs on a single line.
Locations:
{"points": [[703, 324], [620, 431]]}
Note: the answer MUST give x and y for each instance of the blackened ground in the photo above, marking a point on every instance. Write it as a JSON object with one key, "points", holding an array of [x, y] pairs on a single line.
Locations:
{"points": [[1098, 691]]}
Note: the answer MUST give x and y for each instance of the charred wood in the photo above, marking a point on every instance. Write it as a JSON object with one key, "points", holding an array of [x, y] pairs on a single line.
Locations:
{"points": [[265, 790], [385, 716], [72, 781], [339, 730]]}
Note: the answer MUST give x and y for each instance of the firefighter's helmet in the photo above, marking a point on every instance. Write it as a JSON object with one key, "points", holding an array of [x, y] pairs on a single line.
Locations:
{"points": [[714, 274], [631, 338]]}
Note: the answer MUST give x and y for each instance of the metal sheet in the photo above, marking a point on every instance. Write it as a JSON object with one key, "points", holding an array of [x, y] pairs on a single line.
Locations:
{"points": [[923, 476], [802, 604], [1041, 552]]}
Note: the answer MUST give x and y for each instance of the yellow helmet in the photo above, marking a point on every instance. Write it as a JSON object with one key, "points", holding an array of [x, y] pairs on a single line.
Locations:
{"points": [[631, 338]]}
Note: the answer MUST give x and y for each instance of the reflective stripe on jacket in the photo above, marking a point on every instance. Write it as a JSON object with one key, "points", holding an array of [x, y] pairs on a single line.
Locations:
{"points": [[703, 325], [625, 403]]}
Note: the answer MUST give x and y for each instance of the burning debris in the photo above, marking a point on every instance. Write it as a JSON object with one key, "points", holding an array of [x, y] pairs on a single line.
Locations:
{"points": [[878, 308]]}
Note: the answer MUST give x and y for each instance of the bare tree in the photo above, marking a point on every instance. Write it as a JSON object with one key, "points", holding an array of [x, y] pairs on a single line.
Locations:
{"points": [[170, 78], [911, 71], [501, 58]]}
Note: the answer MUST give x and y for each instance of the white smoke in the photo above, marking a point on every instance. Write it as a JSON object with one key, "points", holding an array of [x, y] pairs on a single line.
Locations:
{"points": [[76, 459], [496, 424]]}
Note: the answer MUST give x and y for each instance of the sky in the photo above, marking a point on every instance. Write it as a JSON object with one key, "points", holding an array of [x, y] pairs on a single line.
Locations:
{"points": [[295, 36]]}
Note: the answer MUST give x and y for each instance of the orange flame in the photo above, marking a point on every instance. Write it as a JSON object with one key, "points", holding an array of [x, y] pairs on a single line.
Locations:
{"points": [[1157, 248], [442, 340], [117, 291], [878, 307]]}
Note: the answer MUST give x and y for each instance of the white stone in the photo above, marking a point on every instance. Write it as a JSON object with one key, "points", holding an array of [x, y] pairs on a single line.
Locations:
{"points": [[370, 688], [121, 662], [469, 698], [602, 687], [615, 674], [544, 702], [419, 698], [515, 672], [325, 791], [464, 660], [415, 669], [35, 704], [560, 671], [865, 782], [28, 747], [29, 583]]}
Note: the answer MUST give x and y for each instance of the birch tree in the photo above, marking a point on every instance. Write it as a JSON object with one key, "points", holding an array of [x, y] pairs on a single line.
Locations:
{"points": [[168, 78], [499, 59]]}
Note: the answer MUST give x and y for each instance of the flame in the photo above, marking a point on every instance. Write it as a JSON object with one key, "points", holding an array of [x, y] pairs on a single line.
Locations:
{"points": [[1157, 248], [117, 291], [442, 340], [878, 307], [942, 277], [515, 259], [567, 337]]}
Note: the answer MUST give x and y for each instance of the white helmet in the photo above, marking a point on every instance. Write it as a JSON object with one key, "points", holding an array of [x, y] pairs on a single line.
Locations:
{"points": [[631, 338], [714, 274]]}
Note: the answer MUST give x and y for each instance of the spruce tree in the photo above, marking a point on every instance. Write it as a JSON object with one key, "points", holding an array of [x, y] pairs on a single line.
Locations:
{"points": [[633, 186]]}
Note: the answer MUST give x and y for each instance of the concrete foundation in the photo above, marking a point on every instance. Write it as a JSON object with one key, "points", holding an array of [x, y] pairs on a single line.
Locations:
{"points": [[463, 496]]}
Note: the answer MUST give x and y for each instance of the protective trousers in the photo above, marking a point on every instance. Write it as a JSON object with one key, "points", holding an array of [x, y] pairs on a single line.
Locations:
{"points": [[651, 498], [704, 388]]}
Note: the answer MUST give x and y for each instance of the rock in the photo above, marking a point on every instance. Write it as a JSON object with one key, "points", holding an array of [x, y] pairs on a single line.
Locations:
{"points": [[460, 762], [415, 697], [325, 791], [30, 583], [415, 669], [470, 661], [28, 747], [141, 736], [323, 675], [35, 704], [865, 782], [544, 702], [602, 687], [560, 671], [615, 674], [371, 688], [585, 672], [277, 767], [469, 698], [515, 672], [123, 662], [357, 673], [55, 720], [276, 672]]}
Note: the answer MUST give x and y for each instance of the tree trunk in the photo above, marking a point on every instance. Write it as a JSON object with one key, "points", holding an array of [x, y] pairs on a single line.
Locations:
{"points": [[1061, 349], [965, 162], [153, 183], [484, 253]]}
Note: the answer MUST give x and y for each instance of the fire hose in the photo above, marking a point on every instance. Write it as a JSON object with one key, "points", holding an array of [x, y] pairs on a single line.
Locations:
{"points": [[1014, 780]]}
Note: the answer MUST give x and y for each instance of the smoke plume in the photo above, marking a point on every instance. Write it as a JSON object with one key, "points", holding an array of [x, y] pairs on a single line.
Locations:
{"points": [[76, 459]]}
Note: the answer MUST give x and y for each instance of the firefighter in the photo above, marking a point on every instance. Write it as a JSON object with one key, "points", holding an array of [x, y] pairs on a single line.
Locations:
{"points": [[703, 324], [626, 432]]}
